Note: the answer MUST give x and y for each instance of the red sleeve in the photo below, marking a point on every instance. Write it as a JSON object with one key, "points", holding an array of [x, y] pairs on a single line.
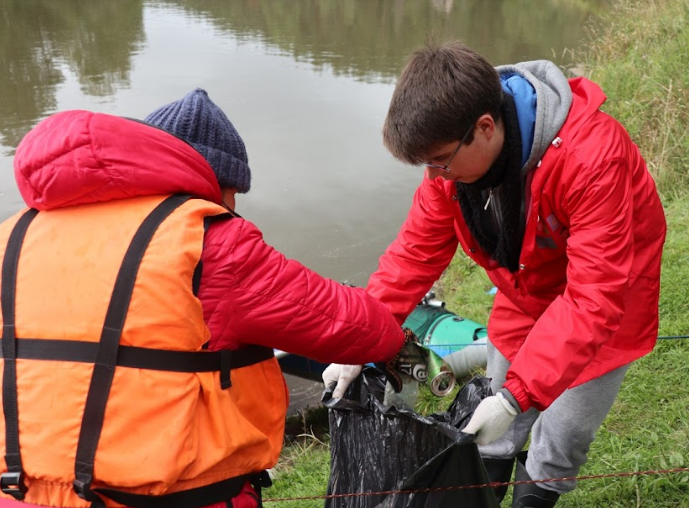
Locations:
{"points": [[252, 294], [423, 249], [600, 251]]}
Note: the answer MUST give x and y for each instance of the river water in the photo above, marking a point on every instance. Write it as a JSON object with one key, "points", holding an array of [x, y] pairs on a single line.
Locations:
{"points": [[306, 83]]}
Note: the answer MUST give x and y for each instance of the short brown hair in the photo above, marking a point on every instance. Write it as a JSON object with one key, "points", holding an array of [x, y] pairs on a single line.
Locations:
{"points": [[440, 92]]}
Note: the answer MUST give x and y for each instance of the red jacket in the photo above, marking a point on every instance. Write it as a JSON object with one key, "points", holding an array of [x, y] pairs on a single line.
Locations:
{"points": [[585, 298], [250, 293]]}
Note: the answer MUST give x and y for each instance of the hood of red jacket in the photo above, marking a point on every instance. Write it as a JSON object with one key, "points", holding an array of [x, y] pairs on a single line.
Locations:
{"points": [[78, 157], [588, 97]]}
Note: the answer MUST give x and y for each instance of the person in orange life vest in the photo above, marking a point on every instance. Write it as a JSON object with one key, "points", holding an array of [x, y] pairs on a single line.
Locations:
{"points": [[552, 198], [170, 429]]}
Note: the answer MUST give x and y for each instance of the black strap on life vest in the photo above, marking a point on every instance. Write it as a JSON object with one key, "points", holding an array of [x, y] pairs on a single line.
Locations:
{"points": [[106, 355], [207, 221], [198, 497], [193, 498], [12, 482], [142, 358]]}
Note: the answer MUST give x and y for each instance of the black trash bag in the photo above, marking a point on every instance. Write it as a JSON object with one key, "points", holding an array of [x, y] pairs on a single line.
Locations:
{"points": [[377, 448]]}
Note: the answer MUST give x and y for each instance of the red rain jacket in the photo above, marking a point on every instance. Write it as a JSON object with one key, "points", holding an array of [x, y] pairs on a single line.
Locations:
{"points": [[250, 293], [585, 298]]}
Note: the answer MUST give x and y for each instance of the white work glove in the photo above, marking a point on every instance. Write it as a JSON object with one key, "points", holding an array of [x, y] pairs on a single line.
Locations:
{"points": [[343, 375], [491, 419]]}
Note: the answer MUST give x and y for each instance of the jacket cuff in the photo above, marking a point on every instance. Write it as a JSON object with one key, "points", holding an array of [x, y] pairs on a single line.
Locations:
{"points": [[510, 398], [517, 393]]}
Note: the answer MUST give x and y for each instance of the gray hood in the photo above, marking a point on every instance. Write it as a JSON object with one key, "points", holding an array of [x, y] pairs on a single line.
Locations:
{"points": [[554, 98]]}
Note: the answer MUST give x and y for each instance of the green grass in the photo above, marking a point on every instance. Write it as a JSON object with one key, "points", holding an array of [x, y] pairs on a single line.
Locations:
{"points": [[640, 60], [640, 56], [302, 471]]}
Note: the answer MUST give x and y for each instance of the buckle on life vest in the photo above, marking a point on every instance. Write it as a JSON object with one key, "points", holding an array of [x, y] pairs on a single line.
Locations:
{"points": [[13, 484], [261, 480], [83, 489], [225, 369]]}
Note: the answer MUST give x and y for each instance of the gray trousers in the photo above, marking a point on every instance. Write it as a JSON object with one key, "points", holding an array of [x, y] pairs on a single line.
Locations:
{"points": [[562, 434]]}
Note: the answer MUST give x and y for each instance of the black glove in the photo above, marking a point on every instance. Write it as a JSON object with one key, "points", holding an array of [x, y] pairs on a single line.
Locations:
{"points": [[408, 361]]}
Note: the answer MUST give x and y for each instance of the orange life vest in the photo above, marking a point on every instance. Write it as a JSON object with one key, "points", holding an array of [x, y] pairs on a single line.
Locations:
{"points": [[109, 397]]}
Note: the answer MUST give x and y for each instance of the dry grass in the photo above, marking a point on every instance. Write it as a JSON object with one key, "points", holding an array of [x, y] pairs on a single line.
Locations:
{"points": [[639, 56]]}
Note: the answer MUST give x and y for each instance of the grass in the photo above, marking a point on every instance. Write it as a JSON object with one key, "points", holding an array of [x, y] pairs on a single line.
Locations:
{"points": [[639, 56], [302, 471]]}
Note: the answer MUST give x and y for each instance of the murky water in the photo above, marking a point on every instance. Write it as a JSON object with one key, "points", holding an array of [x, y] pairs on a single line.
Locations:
{"points": [[306, 83]]}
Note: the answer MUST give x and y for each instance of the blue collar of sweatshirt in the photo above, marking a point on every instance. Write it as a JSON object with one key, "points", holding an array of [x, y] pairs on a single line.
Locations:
{"points": [[524, 96]]}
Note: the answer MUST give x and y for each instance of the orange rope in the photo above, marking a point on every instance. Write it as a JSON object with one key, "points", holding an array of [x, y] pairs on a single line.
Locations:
{"points": [[481, 486]]}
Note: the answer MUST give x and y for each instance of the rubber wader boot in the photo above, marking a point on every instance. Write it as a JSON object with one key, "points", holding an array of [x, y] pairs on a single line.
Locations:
{"points": [[530, 495], [499, 470]]}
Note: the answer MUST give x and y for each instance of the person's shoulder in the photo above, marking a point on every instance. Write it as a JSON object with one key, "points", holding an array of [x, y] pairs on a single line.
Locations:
{"points": [[232, 245], [227, 232]]}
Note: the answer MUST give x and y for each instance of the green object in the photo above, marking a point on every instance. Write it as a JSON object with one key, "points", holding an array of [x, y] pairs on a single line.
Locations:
{"points": [[440, 333], [443, 331], [423, 365], [451, 333], [441, 380], [422, 317]]}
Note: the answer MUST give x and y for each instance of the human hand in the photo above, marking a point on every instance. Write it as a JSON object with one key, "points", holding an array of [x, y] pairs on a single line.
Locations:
{"points": [[343, 375], [491, 419]]}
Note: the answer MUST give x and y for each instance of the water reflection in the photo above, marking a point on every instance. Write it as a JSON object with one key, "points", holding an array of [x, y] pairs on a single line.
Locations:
{"points": [[370, 39], [94, 40], [366, 39]]}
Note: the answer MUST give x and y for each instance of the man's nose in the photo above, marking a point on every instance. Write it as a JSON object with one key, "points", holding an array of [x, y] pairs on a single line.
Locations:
{"points": [[433, 173]]}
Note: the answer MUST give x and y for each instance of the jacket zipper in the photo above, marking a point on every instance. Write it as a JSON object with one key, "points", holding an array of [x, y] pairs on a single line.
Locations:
{"points": [[490, 197], [494, 202]]}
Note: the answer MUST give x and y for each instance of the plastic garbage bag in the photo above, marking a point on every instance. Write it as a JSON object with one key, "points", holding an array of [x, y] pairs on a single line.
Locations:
{"points": [[377, 448], [404, 399]]}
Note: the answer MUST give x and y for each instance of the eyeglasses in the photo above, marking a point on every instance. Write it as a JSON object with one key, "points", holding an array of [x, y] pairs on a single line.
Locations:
{"points": [[446, 166]]}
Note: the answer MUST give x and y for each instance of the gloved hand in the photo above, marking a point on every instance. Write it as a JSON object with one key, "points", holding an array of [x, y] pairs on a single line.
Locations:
{"points": [[491, 419], [403, 362], [343, 375]]}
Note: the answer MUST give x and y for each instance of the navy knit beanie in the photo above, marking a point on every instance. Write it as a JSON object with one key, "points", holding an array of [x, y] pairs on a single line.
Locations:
{"points": [[202, 124]]}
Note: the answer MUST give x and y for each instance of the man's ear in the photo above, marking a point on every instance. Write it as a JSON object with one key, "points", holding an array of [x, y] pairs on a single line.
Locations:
{"points": [[228, 197], [486, 126]]}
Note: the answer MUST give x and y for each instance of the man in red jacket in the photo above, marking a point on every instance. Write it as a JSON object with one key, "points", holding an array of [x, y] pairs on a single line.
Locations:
{"points": [[207, 280], [551, 197]]}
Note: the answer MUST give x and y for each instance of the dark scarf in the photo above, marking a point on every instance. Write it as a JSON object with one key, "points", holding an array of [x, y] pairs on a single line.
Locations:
{"points": [[496, 225]]}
